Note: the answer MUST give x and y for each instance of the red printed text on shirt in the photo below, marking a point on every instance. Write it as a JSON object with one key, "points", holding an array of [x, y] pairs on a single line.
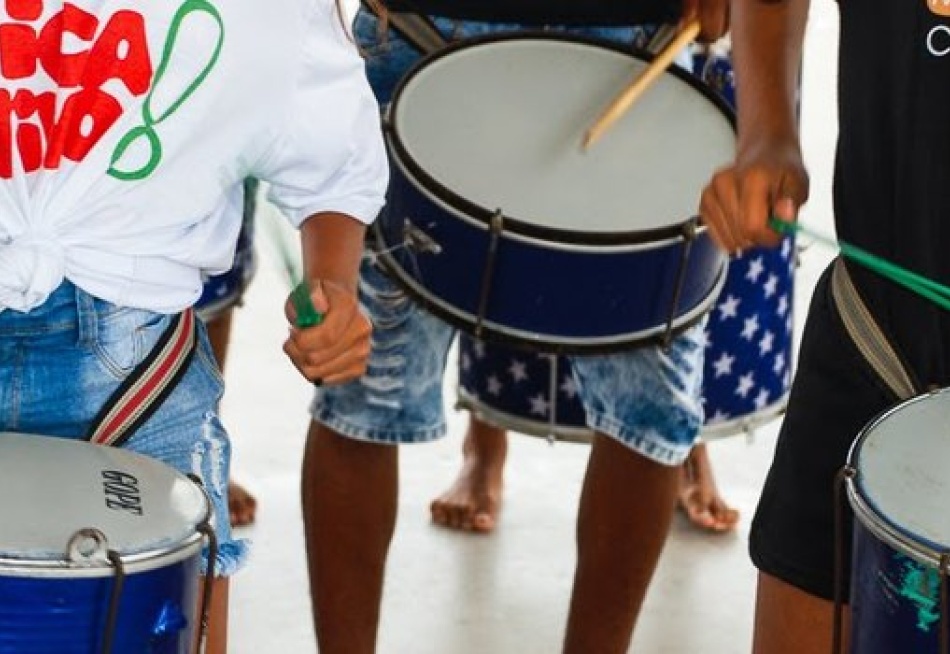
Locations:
{"points": [[61, 76]]}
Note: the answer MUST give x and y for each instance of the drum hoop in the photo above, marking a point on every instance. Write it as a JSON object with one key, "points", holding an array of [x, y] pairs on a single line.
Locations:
{"points": [[133, 563], [896, 538], [510, 421], [484, 214], [548, 343], [648, 239], [920, 549], [746, 424], [542, 428]]}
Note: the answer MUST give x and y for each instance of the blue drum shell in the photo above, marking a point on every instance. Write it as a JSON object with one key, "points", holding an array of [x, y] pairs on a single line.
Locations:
{"points": [[67, 615], [556, 294]]}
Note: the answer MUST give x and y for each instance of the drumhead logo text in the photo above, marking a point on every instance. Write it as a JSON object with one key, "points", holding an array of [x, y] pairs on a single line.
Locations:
{"points": [[98, 66], [122, 492]]}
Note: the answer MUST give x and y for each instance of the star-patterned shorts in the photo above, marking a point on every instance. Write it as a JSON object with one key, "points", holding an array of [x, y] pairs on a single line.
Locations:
{"points": [[648, 398]]}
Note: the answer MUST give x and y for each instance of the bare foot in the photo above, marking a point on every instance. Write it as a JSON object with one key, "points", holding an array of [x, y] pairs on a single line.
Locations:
{"points": [[241, 505], [699, 497], [473, 502]]}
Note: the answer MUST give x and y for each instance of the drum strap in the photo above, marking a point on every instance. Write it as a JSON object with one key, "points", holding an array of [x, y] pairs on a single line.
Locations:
{"points": [[416, 29], [868, 336], [140, 395]]}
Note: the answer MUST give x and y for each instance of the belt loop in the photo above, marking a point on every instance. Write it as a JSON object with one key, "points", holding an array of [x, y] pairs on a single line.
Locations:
{"points": [[87, 320]]}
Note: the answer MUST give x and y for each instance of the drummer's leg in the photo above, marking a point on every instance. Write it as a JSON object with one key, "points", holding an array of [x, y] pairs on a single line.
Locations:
{"points": [[645, 407], [473, 501], [216, 640], [794, 539], [699, 496], [349, 481]]}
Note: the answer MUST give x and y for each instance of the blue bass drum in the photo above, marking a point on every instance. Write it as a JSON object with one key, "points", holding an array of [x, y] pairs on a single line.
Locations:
{"points": [[101, 550], [899, 492], [499, 222]]}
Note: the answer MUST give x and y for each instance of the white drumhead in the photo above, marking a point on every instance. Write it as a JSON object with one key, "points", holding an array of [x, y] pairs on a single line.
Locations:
{"points": [[500, 124], [54, 488], [901, 462]]}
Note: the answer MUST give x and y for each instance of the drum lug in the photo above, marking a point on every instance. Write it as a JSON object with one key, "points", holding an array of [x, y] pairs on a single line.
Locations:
{"points": [[88, 546], [418, 240]]}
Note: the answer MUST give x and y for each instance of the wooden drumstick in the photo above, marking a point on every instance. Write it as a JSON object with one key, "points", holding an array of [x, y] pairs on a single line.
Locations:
{"points": [[635, 89]]}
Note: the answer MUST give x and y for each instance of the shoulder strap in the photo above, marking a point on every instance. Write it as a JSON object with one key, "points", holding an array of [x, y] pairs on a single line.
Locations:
{"points": [[867, 335], [143, 391]]}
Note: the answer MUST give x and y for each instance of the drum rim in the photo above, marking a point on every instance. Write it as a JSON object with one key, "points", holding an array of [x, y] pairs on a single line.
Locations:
{"points": [[483, 214], [143, 561], [921, 549], [548, 343], [159, 553], [572, 434]]}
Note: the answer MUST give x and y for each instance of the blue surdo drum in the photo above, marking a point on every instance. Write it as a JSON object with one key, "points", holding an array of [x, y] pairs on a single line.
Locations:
{"points": [[499, 222], [899, 489], [100, 550]]}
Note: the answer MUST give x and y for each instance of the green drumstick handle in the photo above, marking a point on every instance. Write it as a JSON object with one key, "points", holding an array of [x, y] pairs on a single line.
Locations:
{"points": [[922, 286], [307, 315]]}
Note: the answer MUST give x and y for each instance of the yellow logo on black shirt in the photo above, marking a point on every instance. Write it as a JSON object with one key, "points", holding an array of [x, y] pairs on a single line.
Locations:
{"points": [[939, 7]]}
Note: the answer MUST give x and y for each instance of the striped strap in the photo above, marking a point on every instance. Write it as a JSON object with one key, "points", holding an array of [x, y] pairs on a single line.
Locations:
{"points": [[867, 335], [150, 383]]}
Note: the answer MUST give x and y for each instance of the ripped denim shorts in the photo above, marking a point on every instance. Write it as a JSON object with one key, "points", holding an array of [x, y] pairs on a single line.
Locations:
{"points": [[61, 361], [647, 398]]}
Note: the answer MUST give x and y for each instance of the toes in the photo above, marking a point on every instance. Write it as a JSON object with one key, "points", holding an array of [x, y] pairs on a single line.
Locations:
{"points": [[726, 518], [461, 517], [708, 513], [484, 522], [242, 506], [439, 513]]}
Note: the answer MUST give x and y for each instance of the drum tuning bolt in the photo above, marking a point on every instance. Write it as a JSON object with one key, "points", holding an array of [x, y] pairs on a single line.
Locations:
{"points": [[418, 240]]}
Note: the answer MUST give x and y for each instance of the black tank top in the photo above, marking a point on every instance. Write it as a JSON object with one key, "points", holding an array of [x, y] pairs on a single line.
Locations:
{"points": [[548, 12]]}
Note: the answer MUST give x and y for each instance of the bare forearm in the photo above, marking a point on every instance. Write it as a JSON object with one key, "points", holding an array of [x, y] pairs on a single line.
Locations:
{"points": [[332, 245], [767, 49]]}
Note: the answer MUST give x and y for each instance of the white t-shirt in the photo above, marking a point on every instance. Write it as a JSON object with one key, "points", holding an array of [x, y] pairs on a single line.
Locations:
{"points": [[123, 124]]}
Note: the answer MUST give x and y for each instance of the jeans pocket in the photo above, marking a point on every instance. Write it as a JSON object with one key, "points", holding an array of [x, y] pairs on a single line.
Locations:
{"points": [[125, 336]]}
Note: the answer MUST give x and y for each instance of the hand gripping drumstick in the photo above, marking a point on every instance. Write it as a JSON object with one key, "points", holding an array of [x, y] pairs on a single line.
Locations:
{"points": [[307, 315], [635, 89]]}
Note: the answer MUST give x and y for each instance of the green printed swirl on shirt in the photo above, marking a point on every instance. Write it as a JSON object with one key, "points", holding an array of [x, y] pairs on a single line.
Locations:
{"points": [[147, 129]]}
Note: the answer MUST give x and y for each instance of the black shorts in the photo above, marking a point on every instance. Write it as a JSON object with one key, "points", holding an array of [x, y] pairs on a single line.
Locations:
{"points": [[834, 396]]}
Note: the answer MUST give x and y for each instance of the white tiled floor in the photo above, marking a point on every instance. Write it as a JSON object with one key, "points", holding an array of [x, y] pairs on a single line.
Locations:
{"points": [[449, 593]]}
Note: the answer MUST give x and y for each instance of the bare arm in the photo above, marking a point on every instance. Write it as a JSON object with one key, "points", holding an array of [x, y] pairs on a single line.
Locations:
{"points": [[768, 175], [336, 350]]}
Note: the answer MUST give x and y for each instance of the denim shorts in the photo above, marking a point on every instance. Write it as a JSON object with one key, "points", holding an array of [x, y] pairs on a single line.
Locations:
{"points": [[60, 362], [647, 398]]}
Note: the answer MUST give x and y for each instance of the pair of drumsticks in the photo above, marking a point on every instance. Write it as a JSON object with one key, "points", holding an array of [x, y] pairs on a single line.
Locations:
{"points": [[924, 287]]}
